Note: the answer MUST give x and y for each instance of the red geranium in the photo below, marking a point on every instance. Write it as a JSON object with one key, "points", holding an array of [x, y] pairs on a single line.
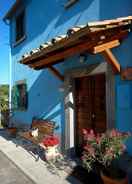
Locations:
{"points": [[50, 141]]}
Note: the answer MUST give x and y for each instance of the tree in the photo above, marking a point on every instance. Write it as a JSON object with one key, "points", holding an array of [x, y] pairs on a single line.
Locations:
{"points": [[4, 96], [4, 104]]}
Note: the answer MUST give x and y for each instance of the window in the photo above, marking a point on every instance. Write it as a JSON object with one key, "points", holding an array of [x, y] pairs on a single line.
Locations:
{"points": [[20, 97], [20, 26], [70, 3]]}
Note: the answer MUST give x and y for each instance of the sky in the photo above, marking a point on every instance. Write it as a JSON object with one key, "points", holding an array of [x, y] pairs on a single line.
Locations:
{"points": [[4, 42]]}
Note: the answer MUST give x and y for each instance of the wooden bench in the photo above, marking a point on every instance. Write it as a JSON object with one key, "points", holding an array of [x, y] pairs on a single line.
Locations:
{"points": [[45, 128]]}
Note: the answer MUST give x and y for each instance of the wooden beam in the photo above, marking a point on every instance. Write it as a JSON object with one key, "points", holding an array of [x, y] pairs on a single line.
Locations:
{"points": [[76, 38], [53, 59], [109, 45], [111, 22], [59, 45], [126, 74], [56, 73], [110, 58], [80, 48]]}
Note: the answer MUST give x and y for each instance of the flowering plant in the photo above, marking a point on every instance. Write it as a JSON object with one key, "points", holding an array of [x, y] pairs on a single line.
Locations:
{"points": [[52, 153], [50, 141], [102, 148]]}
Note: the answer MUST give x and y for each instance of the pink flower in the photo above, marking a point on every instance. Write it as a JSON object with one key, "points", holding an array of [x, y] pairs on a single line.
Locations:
{"points": [[84, 131], [91, 132], [98, 139], [123, 147], [91, 136], [113, 133], [90, 150]]}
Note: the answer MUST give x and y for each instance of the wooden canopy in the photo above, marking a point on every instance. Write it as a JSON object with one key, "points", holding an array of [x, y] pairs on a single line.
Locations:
{"points": [[95, 37]]}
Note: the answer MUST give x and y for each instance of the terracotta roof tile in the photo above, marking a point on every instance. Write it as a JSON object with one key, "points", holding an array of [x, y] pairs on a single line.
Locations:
{"points": [[90, 27]]}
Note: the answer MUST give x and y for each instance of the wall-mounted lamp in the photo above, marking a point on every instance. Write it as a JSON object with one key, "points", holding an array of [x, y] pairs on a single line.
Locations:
{"points": [[62, 88], [83, 58]]}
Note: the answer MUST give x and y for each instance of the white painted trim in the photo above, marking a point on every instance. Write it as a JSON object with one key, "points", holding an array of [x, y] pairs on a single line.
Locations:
{"points": [[69, 116]]}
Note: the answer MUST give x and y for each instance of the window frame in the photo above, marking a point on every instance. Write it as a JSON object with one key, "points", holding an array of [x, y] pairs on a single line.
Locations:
{"points": [[19, 101], [22, 35]]}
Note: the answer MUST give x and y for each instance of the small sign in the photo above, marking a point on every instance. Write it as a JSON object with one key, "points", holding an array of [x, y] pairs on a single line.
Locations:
{"points": [[126, 74]]}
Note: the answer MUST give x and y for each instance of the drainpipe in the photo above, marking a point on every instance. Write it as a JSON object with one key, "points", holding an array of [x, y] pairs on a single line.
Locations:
{"points": [[10, 77]]}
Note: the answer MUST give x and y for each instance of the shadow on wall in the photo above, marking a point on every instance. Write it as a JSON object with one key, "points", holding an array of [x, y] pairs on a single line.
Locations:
{"points": [[45, 101], [80, 13], [44, 24]]}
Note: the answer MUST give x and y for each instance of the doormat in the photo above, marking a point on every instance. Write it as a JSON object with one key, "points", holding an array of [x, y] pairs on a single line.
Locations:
{"points": [[10, 173], [84, 177]]}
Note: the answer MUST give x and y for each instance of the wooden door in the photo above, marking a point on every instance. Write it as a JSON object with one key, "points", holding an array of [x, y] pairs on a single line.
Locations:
{"points": [[90, 105]]}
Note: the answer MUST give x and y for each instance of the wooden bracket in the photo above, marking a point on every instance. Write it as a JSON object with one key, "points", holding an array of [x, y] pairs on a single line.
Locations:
{"points": [[54, 71], [110, 58], [103, 47]]}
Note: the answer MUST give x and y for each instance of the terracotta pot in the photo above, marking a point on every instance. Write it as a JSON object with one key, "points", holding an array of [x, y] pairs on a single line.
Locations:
{"points": [[51, 152], [12, 131], [107, 180]]}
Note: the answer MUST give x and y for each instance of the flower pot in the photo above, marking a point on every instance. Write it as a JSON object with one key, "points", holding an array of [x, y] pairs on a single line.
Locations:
{"points": [[12, 131], [108, 180], [51, 152]]}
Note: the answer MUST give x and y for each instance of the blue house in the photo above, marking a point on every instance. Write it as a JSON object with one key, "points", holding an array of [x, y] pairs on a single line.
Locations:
{"points": [[72, 64]]}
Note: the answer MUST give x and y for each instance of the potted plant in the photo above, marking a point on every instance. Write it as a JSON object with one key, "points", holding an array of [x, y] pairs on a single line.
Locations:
{"points": [[50, 145], [103, 149]]}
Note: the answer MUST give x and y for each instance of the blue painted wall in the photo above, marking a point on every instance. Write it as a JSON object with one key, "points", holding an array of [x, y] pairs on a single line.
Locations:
{"points": [[46, 19]]}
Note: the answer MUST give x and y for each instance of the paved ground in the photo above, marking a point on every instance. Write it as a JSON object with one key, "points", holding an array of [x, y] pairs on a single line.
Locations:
{"points": [[36, 170], [10, 174]]}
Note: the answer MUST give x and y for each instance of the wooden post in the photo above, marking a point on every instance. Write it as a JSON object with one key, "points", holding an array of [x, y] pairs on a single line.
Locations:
{"points": [[56, 73], [110, 58]]}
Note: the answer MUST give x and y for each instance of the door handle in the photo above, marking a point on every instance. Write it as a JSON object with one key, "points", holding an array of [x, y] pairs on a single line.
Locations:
{"points": [[93, 116]]}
